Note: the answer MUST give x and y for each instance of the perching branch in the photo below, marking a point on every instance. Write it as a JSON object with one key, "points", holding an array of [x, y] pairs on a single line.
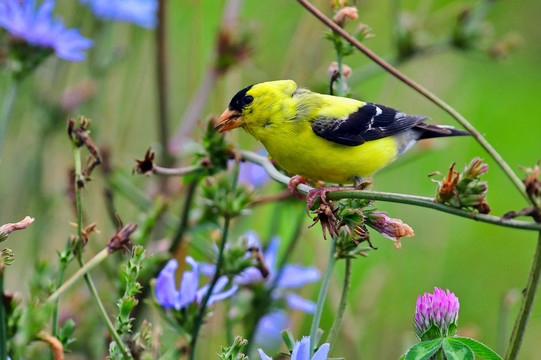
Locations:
{"points": [[426, 93], [421, 201]]}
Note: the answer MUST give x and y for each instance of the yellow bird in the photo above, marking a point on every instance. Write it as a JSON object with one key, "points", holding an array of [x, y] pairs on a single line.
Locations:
{"points": [[323, 137]]}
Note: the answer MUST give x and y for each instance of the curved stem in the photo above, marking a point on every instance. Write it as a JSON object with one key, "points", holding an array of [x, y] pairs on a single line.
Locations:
{"points": [[391, 197], [335, 328], [9, 100], [426, 93], [321, 297], [78, 255], [182, 226], [203, 305], [526, 306], [175, 171], [83, 270], [3, 319]]}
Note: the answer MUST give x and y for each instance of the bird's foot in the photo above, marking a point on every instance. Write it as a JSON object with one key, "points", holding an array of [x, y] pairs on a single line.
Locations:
{"points": [[292, 186], [321, 192]]}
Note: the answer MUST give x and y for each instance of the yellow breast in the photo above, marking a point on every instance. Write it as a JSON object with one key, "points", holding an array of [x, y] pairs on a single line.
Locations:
{"points": [[301, 152]]}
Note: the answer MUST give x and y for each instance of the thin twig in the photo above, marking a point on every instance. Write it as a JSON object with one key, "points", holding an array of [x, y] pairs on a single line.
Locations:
{"points": [[7, 108], [321, 296], [183, 224], [335, 328], [526, 306], [85, 269], [78, 254], [161, 77], [3, 319], [391, 197], [423, 91], [54, 344], [175, 171], [203, 305]]}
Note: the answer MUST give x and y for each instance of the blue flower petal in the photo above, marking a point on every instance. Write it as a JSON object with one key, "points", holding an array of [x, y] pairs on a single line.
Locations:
{"points": [[301, 349], [166, 292], [188, 285], [322, 352], [139, 12], [294, 276], [263, 355], [271, 254], [269, 327], [38, 27], [294, 301]]}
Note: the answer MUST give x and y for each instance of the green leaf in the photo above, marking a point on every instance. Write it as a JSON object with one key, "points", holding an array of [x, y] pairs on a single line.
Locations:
{"points": [[433, 332], [423, 350], [455, 350], [478, 348]]}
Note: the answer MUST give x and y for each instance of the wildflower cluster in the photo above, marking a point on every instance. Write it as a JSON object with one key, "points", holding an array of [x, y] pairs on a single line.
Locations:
{"points": [[35, 33], [435, 324], [464, 190]]}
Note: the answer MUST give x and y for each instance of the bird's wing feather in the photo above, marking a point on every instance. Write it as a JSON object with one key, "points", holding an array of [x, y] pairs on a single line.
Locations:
{"points": [[369, 122]]}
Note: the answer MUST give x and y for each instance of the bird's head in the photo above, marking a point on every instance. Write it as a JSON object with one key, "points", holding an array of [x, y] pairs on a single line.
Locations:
{"points": [[254, 106]]}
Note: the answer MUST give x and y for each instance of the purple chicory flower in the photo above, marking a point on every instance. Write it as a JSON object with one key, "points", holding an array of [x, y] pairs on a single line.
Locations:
{"points": [[252, 174], [292, 276], [139, 12], [269, 327], [37, 27], [439, 309], [168, 296], [301, 351]]}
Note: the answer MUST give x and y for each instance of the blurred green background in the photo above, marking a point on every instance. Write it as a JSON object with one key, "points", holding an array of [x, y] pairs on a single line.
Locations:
{"points": [[478, 262]]}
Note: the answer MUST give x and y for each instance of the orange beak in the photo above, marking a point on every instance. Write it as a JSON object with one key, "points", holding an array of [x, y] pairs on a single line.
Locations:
{"points": [[229, 119]]}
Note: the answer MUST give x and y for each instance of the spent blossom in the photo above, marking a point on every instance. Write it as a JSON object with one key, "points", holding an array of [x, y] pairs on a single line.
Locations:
{"points": [[37, 27], [439, 309], [391, 228], [138, 12], [301, 351], [168, 296]]}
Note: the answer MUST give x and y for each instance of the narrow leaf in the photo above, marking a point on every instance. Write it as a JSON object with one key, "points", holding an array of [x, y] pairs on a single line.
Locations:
{"points": [[455, 350], [478, 348], [423, 350]]}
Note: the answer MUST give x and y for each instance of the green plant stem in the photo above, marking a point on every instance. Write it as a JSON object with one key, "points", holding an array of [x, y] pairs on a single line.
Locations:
{"points": [[203, 305], [183, 224], [340, 90], [3, 319], [82, 271], [321, 297], [162, 77], [9, 100], [335, 328], [78, 255], [421, 201], [426, 93], [526, 306]]}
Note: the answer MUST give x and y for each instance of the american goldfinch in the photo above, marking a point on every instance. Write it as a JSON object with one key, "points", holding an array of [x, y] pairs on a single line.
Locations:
{"points": [[323, 137]]}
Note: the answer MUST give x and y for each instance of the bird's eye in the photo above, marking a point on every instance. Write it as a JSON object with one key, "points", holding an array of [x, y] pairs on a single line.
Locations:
{"points": [[248, 99]]}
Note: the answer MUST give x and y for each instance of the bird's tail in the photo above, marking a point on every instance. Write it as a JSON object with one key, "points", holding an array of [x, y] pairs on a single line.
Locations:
{"points": [[427, 131]]}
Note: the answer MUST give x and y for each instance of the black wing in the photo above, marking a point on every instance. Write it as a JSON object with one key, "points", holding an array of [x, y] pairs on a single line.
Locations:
{"points": [[369, 122]]}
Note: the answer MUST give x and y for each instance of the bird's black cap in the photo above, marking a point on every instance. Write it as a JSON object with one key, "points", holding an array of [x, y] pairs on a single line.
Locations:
{"points": [[237, 101]]}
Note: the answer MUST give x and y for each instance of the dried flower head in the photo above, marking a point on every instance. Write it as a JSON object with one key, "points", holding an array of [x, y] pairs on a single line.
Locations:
{"points": [[7, 229], [391, 228], [332, 71], [531, 182], [145, 166], [439, 310], [325, 216], [348, 12], [464, 190]]}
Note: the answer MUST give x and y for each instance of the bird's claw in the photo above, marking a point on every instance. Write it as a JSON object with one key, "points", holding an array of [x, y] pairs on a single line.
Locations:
{"points": [[321, 192], [292, 186]]}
